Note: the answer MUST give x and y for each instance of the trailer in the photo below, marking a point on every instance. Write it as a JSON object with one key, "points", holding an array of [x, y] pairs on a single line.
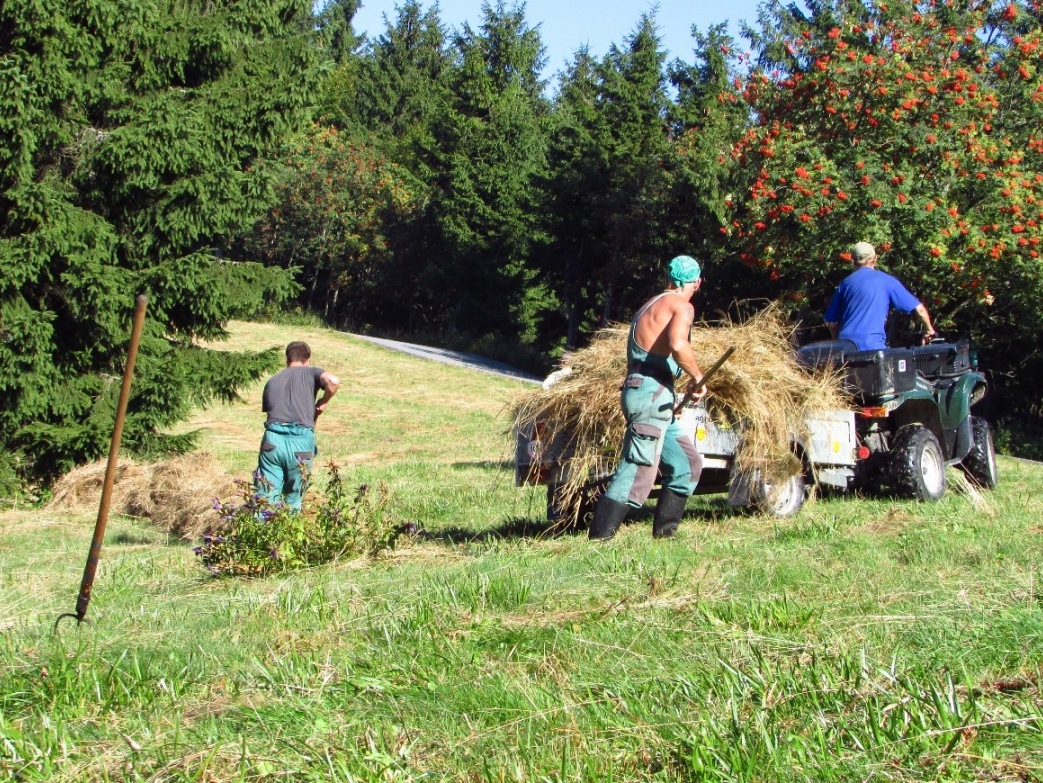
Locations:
{"points": [[911, 417], [826, 454]]}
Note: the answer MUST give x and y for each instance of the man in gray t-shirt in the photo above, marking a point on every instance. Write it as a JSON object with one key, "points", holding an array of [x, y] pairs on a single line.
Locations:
{"points": [[288, 445]]}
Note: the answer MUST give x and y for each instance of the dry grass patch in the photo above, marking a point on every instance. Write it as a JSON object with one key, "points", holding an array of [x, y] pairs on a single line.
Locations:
{"points": [[177, 494], [895, 520]]}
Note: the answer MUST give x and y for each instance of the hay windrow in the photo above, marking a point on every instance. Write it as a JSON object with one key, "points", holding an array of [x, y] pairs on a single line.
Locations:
{"points": [[177, 494], [760, 389]]}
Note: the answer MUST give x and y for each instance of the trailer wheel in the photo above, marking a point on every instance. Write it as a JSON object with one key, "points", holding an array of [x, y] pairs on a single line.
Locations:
{"points": [[980, 462], [571, 517], [917, 468], [778, 499]]}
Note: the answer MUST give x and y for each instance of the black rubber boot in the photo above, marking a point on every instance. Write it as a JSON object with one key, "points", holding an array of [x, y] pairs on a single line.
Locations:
{"points": [[668, 512], [608, 516]]}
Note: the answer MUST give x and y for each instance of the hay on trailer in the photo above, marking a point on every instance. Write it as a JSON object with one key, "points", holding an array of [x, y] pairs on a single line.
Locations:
{"points": [[760, 389], [176, 494]]}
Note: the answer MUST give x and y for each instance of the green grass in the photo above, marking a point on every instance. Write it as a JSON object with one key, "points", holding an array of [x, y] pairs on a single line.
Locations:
{"points": [[860, 640]]}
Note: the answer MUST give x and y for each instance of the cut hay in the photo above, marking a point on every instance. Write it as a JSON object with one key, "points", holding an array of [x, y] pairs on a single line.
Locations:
{"points": [[962, 485], [760, 389], [177, 494]]}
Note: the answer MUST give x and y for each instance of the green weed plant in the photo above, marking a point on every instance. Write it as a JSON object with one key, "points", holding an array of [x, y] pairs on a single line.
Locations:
{"points": [[265, 538]]}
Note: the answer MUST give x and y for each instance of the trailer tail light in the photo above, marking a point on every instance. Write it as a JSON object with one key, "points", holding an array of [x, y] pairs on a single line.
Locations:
{"points": [[862, 452], [874, 412]]}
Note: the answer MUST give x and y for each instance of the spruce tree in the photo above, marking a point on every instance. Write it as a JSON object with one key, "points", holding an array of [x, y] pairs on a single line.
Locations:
{"points": [[490, 150], [611, 180], [130, 139]]}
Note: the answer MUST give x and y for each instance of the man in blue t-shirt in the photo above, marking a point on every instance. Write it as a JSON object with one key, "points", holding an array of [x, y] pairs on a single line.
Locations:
{"points": [[859, 308]]}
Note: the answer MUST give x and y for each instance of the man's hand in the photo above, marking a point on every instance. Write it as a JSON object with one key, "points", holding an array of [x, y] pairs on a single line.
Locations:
{"points": [[928, 336], [695, 392]]}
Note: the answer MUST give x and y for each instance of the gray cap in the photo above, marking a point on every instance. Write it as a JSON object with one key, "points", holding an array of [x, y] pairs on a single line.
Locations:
{"points": [[862, 252]]}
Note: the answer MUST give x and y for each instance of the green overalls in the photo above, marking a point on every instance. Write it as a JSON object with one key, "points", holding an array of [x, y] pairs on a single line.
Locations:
{"points": [[654, 441], [284, 464]]}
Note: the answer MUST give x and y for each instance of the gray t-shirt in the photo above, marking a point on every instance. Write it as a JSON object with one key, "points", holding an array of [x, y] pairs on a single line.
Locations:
{"points": [[289, 395]]}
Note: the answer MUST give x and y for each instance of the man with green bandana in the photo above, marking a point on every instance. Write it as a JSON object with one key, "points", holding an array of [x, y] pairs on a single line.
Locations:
{"points": [[658, 350], [288, 445]]}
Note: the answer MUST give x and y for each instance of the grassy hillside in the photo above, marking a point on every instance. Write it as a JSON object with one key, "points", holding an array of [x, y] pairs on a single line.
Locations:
{"points": [[860, 640]]}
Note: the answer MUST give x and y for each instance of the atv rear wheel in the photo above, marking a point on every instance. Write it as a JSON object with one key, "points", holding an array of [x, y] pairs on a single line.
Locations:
{"points": [[980, 462], [917, 467]]}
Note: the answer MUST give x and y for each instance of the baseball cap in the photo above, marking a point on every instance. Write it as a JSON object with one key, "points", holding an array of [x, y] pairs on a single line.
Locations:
{"points": [[862, 251]]}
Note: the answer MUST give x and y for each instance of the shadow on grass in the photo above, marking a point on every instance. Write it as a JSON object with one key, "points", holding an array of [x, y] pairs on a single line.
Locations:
{"points": [[512, 529], [518, 528], [125, 538], [487, 464]]}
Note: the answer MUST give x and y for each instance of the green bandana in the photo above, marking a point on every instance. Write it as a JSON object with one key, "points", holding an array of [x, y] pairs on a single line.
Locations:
{"points": [[684, 269]]}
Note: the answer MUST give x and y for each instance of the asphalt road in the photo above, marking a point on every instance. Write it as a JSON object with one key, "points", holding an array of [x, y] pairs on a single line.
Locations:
{"points": [[469, 360]]}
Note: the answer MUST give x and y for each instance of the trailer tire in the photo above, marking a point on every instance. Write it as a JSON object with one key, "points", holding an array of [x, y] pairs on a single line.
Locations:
{"points": [[917, 467], [980, 462], [572, 518], [781, 500]]}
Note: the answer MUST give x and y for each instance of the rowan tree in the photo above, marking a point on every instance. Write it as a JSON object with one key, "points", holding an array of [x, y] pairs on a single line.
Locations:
{"points": [[336, 200], [915, 126]]}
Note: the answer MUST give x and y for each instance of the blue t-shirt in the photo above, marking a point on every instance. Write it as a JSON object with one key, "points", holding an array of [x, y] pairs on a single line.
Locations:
{"points": [[861, 305]]}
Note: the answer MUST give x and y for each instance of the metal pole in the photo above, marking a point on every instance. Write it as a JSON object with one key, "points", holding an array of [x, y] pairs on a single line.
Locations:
{"points": [[91, 568]]}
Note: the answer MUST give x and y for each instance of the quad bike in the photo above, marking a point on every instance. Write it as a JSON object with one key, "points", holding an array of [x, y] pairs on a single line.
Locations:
{"points": [[913, 416]]}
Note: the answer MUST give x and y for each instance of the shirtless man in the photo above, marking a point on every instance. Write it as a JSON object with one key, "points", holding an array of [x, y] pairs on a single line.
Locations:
{"points": [[658, 350]]}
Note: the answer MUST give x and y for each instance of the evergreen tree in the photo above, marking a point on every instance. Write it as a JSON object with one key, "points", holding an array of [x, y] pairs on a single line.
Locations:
{"points": [[129, 139], [707, 120], [572, 191], [403, 82], [612, 177], [385, 102], [638, 183], [490, 152], [335, 29]]}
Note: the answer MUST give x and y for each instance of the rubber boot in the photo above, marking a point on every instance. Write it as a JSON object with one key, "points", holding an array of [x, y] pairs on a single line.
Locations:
{"points": [[608, 516], [668, 512]]}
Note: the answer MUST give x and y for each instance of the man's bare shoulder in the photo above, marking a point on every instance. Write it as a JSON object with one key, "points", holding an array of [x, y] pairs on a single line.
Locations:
{"points": [[682, 307]]}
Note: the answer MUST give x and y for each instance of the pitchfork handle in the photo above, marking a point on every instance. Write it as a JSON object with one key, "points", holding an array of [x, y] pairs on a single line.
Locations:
{"points": [[706, 376]]}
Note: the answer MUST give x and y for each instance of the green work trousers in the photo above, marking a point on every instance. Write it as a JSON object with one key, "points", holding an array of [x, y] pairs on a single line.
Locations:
{"points": [[284, 464], [654, 443]]}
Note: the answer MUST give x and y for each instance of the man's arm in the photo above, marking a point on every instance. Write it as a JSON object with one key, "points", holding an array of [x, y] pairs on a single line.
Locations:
{"points": [[329, 383], [921, 311], [680, 346], [832, 316]]}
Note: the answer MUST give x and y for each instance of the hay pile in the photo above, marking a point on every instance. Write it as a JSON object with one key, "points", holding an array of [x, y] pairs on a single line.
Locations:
{"points": [[760, 389], [176, 494]]}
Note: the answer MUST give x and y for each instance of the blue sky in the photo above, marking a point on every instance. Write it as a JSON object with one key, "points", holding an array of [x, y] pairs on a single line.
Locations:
{"points": [[567, 24]]}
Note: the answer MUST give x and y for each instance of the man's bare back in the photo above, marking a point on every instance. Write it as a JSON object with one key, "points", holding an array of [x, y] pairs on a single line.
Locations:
{"points": [[664, 328]]}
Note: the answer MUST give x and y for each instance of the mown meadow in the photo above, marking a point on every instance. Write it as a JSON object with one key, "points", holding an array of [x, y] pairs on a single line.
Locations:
{"points": [[863, 639]]}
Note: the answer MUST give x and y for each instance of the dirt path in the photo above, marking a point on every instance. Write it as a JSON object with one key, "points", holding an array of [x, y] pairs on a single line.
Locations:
{"points": [[469, 360]]}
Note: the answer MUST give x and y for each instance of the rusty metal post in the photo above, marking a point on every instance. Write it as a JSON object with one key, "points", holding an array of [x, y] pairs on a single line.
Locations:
{"points": [[91, 568]]}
